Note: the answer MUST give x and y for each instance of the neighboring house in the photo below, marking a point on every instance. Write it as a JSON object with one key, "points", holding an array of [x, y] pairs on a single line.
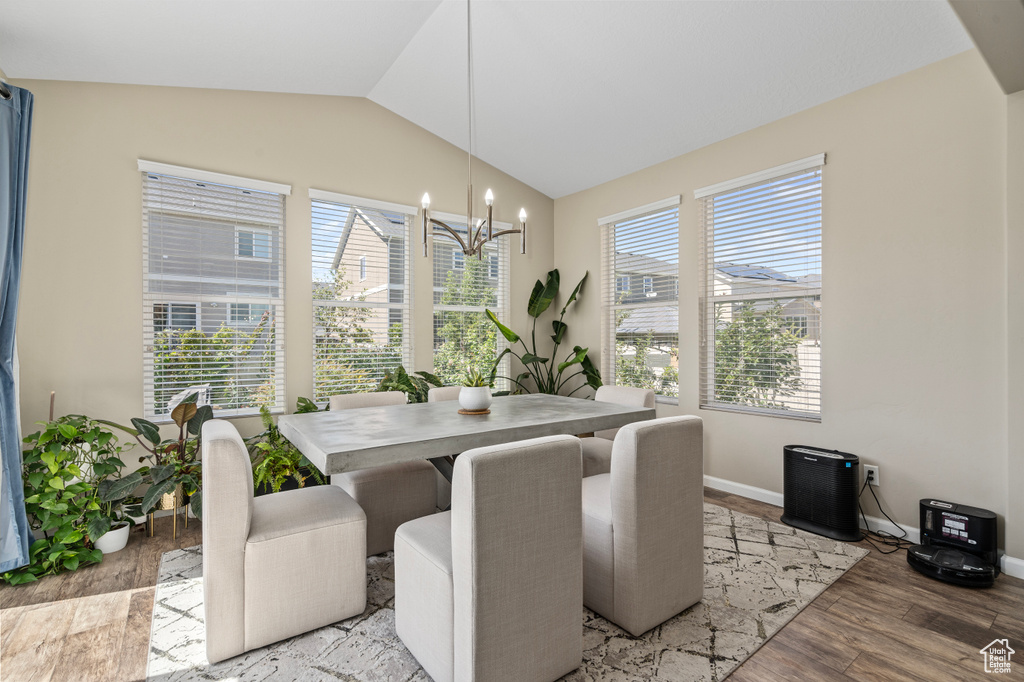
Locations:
{"points": [[762, 287]]}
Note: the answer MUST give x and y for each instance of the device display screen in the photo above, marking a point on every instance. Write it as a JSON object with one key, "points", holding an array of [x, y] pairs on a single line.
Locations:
{"points": [[954, 527]]}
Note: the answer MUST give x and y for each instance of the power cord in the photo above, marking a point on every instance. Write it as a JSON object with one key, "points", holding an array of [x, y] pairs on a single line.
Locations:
{"points": [[885, 538]]}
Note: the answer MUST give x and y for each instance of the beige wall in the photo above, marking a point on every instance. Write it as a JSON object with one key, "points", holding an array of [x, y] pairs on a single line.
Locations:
{"points": [[914, 323], [1015, 322], [80, 323]]}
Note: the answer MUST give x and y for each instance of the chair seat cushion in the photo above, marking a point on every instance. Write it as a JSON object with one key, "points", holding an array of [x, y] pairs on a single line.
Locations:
{"points": [[425, 594], [297, 511], [598, 547], [597, 456]]}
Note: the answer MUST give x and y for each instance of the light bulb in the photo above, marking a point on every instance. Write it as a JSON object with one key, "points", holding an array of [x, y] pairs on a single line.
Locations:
{"points": [[522, 215], [489, 197], [426, 200]]}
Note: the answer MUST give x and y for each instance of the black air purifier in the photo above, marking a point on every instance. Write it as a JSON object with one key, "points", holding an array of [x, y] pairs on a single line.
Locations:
{"points": [[820, 491]]}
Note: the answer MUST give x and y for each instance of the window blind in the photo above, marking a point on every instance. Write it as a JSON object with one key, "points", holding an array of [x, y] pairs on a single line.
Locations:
{"points": [[362, 303], [463, 289], [640, 262], [760, 296], [213, 295]]}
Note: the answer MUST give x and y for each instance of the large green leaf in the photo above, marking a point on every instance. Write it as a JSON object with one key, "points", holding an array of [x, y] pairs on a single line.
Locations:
{"points": [[183, 412], [560, 329], [202, 415], [431, 379], [580, 353], [575, 292], [197, 504], [117, 489], [531, 359], [494, 366], [304, 405], [509, 335], [147, 430], [98, 527], [591, 372], [159, 474], [543, 294], [152, 495]]}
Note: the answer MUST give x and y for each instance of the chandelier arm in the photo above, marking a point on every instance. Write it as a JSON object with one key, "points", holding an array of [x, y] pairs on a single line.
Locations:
{"points": [[448, 232]]}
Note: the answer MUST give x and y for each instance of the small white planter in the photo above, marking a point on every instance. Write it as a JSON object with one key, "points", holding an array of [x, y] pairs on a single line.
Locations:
{"points": [[475, 398], [113, 540]]}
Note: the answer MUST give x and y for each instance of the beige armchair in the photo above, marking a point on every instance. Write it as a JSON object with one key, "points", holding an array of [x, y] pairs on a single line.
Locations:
{"points": [[597, 451], [249, 543], [643, 525], [492, 590], [440, 393], [390, 494]]}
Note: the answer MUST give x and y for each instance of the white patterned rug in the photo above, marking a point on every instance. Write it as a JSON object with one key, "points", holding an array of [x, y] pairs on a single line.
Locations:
{"points": [[757, 576]]}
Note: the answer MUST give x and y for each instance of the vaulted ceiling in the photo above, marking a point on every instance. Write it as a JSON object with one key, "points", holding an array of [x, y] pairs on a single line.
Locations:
{"points": [[569, 94]]}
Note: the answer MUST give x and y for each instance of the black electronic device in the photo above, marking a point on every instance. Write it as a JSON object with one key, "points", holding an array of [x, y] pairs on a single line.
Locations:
{"points": [[958, 544], [820, 490]]}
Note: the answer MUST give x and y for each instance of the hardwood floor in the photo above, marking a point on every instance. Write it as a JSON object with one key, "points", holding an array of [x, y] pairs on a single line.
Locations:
{"points": [[880, 621]]}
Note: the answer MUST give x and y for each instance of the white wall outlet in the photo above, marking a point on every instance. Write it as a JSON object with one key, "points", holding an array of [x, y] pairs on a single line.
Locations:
{"points": [[872, 473]]}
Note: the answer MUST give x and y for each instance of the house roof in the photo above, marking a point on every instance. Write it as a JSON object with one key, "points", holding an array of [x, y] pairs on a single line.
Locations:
{"points": [[382, 223], [753, 272]]}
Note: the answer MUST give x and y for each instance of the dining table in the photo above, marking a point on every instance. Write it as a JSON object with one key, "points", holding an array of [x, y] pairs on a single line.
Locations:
{"points": [[348, 440]]}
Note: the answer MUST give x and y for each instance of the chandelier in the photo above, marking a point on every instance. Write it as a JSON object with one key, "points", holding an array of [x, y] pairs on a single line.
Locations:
{"points": [[480, 232]]}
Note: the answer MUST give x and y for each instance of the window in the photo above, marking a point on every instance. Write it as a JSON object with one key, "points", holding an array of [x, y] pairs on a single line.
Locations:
{"points": [[253, 244], [360, 330], [458, 260], [641, 328], [213, 290], [463, 336], [760, 326], [248, 313]]}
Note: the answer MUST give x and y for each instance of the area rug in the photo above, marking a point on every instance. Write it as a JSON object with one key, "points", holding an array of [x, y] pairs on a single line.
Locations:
{"points": [[757, 576]]}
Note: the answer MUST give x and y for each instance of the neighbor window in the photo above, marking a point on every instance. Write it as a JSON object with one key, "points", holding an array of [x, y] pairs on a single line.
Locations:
{"points": [[213, 290], [760, 326], [463, 335], [641, 328], [360, 330]]}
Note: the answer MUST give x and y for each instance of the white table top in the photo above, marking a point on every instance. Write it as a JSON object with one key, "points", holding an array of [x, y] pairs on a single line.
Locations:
{"points": [[357, 439]]}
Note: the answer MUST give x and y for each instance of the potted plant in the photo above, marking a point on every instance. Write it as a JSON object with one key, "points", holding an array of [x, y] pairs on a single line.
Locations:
{"points": [[277, 464], [475, 395], [175, 471]]}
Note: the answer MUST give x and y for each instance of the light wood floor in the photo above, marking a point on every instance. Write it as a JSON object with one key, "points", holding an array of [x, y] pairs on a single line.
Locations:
{"points": [[880, 621]]}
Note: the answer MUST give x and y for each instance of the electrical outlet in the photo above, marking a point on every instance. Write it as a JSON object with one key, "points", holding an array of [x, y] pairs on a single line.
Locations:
{"points": [[871, 475]]}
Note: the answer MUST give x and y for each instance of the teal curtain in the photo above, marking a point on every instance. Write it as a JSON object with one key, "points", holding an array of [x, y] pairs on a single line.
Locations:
{"points": [[15, 130]]}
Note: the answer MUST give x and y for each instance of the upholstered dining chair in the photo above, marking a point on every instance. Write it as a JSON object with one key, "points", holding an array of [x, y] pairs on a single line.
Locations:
{"points": [[441, 393], [390, 494], [492, 590], [643, 525], [597, 451], [250, 543]]}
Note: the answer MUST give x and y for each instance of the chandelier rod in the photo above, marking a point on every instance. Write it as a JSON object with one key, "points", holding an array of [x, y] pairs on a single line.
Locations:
{"points": [[469, 111]]}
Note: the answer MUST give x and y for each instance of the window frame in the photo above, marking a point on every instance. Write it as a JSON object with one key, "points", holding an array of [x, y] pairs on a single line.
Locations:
{"points": [[707, 299], [254, 231]]}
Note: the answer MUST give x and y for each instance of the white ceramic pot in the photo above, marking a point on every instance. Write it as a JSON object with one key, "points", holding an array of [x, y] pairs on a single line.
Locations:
{"points": [[113, 540], [474, 398]]}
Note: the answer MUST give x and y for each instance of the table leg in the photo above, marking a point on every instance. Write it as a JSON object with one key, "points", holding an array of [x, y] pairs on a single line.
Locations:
{"points": [[446, 465]]}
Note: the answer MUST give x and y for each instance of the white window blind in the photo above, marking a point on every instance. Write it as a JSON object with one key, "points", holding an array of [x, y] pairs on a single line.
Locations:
{"points": [[641, 299], [760, 326], [213, 294], [463, 289], [362, 269]]}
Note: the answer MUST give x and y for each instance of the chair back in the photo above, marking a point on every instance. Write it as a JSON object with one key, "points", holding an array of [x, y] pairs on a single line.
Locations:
{"points": [[517, 567], [657, 497], [622, 395], [441, 393], [350, 401], [227, 514]]}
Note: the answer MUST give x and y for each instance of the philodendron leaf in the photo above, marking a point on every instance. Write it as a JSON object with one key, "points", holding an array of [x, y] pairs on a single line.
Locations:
{"points": [[575, 359], [98, 527], [197, 504], [531, 359], [202, 415], [161, 473], [431, 379], [112, 490], [560, 329], [543, 294], [509, 335], [147, 430], [183, 412], [154, 493], [575, 292]]}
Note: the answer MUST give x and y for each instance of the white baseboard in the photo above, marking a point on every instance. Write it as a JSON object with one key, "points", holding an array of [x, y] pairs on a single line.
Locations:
{"points": [[1009, 565]]}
